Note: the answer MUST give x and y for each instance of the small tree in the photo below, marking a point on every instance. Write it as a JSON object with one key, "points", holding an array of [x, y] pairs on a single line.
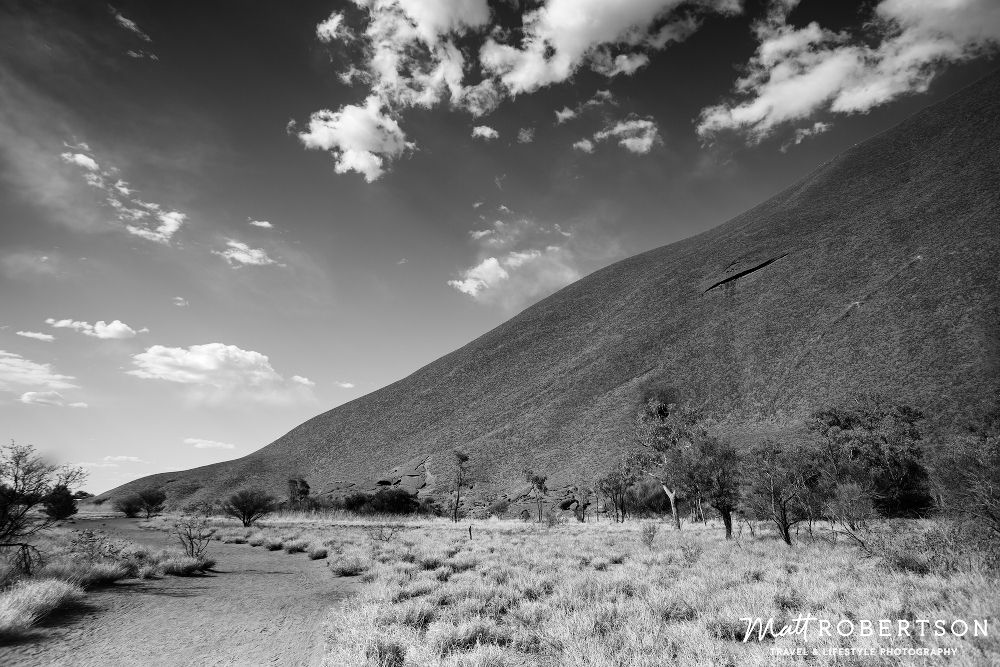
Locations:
{"points": [[616, 485], [194, 535], [26, 480], [60, 503], [151, 501], [538, 489], [719, 468], [249, 506], [461, 469], [781, 479], [129, 505], [668, 435]]}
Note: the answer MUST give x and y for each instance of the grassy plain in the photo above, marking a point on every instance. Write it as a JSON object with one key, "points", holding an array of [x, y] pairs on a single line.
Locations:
{"points": [[595, 595]]}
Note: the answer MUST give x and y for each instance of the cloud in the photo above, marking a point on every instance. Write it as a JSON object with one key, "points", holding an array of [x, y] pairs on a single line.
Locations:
{"points": [[81, 160], [91, 464], [561, 36], [170, 222], [100, 329], [525, 135], [50, 398], [147, 220], [419, 53], [263, 224], [484, 132], [360, 138], [44, 337], [180, 302], [519, 261], [797, 72], [637, 135], [124, 459], [564, 115], [585, 145], [803, 133], [217, 373], [332, 28], [345, 385], [201, 443], [129, 25], [16, 373], [240, 254]]}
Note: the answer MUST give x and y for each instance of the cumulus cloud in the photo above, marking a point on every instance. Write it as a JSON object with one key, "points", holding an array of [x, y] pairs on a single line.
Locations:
{"points": [[345, 385], [240, 254], [180, 302], [20, 374], [124, 459], [44, 337], [144, 219], [217, 372], [797, 72], [637, 135], [49, 398], [201, 443], [484, 132], [525, 135], [263, 224], [407, 54], [519, 261], [100, 329], [585, 145], [360, 138], [561, 36]]}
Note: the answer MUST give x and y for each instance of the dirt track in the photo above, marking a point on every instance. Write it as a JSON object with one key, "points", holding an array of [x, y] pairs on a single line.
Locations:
{"points": [[258, 608]]}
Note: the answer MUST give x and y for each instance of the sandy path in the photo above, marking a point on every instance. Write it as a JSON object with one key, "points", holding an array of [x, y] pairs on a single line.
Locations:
{"points": [[259, 608]]}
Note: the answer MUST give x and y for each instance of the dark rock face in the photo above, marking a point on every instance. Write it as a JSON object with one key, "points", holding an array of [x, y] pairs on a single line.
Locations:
{"points": [[875, 273]]}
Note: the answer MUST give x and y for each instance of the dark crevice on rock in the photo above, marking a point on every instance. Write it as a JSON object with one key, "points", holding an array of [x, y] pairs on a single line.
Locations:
{"points": [[745, 272]]}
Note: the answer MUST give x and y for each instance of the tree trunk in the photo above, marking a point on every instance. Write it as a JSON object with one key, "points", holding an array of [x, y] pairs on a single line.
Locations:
{"points": [[727, 521], [672, 497]]}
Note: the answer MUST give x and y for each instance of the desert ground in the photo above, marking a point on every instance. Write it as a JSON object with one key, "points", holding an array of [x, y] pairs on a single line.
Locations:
{"points": [[255, 607]]}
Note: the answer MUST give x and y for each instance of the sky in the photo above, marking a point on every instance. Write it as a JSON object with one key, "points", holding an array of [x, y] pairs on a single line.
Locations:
{"points": [[218, 219]]}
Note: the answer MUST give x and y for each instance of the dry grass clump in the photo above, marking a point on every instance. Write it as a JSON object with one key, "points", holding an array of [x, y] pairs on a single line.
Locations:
{"points": [[273, 543], [25, 603], [316, 552], [86, 574], [186, 566], [296, 546]]}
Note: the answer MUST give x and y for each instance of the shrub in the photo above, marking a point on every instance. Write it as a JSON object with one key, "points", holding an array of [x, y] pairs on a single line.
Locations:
{"points": [[296, 546], [349, 565], [59, 504], [648, 535], [130, 506], [27, 602], [185, 566], [149, 572], [256, 540], [249, 506], [272, 544], [87, 575], [152, 501], [317, 552], [194, 535]]}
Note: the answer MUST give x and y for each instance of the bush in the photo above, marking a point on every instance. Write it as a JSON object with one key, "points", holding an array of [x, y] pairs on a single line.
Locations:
{"points": [[130, 506], [256, 540], [87, 575], [59, 504], [27, 602], [272, 544], [648, 536], [317, 552], [249, 506], [349, 565], [296, 546], [152, 501], [185, 566]]}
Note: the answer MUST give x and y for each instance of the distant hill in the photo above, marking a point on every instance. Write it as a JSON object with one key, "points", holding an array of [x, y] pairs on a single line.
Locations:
{"points": [[877, 272]]}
